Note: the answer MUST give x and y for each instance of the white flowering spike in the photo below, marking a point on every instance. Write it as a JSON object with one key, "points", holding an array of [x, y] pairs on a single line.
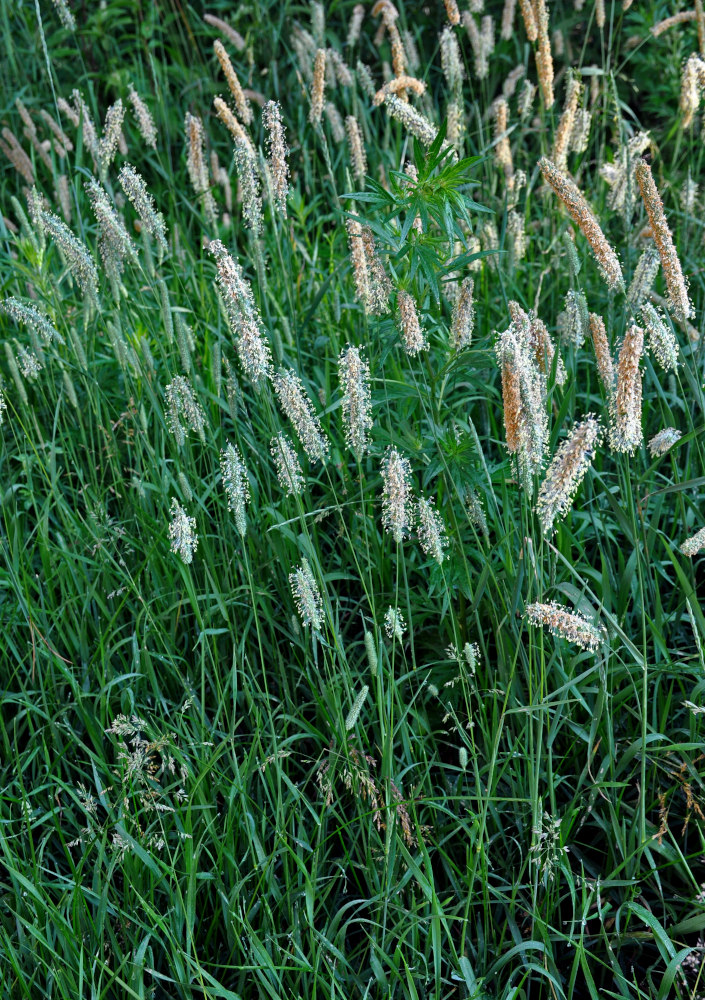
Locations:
{"points": [[394, 624], [298, 408], [182, 403], [307, 595], [354, 373], [236, 485], [182, 532], [286, 464], [431, 530], [397, 497]]}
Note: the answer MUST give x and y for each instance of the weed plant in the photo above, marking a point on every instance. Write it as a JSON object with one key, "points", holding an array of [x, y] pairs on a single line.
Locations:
{"points": [[351, 469]]}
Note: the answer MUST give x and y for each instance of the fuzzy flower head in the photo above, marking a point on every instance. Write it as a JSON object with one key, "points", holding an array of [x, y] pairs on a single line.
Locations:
{"points": [[286, 464], [136, 190], [431, 530], [277, 152], [625, 430], [411, 331], [236, 486], [565, 624], [397, 498], [463, 317], [182, 532], [566, 472], [394, 624], [354, 373], [660, 337], [244, 317], [663, 441], [182, 405], [696, 543], [298, 408], [307, 596]]}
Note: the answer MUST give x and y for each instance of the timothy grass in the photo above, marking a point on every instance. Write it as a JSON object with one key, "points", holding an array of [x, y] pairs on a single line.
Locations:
{"points": [[291, 744]]}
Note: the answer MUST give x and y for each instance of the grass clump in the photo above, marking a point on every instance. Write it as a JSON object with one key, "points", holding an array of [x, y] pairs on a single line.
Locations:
{"points": [[351, 638]]}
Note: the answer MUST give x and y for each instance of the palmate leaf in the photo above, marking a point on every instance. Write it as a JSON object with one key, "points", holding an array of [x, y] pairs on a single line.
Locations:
{"points": [[439, 197]]}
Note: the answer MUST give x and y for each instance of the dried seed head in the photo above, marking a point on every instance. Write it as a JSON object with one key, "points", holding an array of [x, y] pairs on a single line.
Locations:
{"points": [[235, 484], [675, 282], [397, 497], [399, 85], [298, 408], [566, 471], [354, 374], [566, 124], [277, 152], [196, 164], [663, 441], [17, 156], [182, 404], [696, 543], [145, 122], [182, 532], [565, 624], [661, 339], [231, 123], [431, 530], [245, 321], [394, 624], [452, 12], [317, 87], [603, 357], [242, 105], [136, 190], [544, 58], [625, 430], [412, 334], [307, 596], [463, 317], [523, 394], [356, 144], [286, 464], [502, 149], [527, 13], [582, 215], [230, 33]]}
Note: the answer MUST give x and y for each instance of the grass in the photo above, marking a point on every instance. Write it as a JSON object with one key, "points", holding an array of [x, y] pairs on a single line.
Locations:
{"points": [[200, 794]]}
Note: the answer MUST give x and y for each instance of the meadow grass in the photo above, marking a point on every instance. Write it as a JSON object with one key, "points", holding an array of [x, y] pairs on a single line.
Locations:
{"points": [[351, 632]]}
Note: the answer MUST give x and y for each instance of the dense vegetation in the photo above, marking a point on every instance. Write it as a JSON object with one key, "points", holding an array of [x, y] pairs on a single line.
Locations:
{"points": [[407, 702]]}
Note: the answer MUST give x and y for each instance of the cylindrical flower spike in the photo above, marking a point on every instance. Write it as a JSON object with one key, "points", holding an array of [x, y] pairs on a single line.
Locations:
{"points": [[675, 282], [566, 472], [625, 431], [581, 213]]}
